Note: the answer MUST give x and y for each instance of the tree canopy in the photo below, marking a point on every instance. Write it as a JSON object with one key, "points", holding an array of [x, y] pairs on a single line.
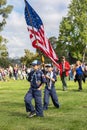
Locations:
{"points": [[73, 30], [5, 10], [28, 57]]}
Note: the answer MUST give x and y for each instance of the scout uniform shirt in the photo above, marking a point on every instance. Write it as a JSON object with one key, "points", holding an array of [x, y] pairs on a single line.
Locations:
{"points": [[36, 78], [49, 82]]}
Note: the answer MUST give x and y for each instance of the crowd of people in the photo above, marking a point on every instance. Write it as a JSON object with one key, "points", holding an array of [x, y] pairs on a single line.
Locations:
{"points": [[14, 72], [66, 70]]}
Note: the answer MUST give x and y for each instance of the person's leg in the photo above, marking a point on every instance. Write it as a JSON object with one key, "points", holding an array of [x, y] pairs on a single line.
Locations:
{"points": [[80, 83], [28, 97], [54, 98], [46, 99], [16, 77], [63, 79], [38, 103]]}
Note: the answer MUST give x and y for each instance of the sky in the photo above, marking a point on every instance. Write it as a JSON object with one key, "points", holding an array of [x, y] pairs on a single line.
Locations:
{"points": [[50, 11]]}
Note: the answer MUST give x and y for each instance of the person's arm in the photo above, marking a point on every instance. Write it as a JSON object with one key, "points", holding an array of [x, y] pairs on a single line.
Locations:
{"points": [[52, 79], [43, 80], [40, 87], [82, 68], [67, 66], [29, 76]]}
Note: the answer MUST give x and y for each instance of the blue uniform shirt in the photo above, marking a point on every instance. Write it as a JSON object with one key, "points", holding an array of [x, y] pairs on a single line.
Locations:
{"points": [[49, 82], [36, 78]]}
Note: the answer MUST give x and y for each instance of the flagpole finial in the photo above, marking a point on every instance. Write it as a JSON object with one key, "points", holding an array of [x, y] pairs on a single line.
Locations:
{"points": [[24, 0]]}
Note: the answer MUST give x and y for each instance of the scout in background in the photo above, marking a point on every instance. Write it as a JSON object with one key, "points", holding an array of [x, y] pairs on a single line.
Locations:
{"points": [[50, 88]]}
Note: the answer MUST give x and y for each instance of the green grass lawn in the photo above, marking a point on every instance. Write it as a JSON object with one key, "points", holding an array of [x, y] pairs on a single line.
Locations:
{"points": [[72, 114]]}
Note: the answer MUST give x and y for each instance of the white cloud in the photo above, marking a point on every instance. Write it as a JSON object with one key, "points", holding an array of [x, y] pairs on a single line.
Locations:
{"points": [[51, 13], [17, 35]]}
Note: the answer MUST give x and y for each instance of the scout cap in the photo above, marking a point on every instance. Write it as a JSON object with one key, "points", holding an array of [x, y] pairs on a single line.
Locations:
{"points": [[35, 62], [49, 65]]}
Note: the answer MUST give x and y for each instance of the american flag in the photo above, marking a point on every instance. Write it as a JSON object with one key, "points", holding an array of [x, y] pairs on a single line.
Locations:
{"points": [[37, 34]]}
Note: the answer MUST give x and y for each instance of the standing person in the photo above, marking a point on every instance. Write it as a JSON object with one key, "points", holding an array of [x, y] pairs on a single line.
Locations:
{"points": [[85, 71], [10, 70], [64, 71], [36, 79], [24, 75], [50, 88], [15, 72], [79, 74]]}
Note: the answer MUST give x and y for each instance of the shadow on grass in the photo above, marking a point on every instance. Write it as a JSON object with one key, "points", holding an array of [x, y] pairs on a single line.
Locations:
{"points": [[13, 113], [76, 90], [17, 114], [12, 108], [8, 104]]}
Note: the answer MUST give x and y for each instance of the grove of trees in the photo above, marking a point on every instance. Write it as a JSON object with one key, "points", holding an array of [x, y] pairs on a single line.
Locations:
{"points": [[72, 39], [5, 10]]}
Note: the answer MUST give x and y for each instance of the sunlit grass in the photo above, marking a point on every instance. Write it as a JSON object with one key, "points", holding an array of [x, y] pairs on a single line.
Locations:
{"points": [[72, 114]]}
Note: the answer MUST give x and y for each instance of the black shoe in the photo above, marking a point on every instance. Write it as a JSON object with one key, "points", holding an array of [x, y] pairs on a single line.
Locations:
{"points": [[79, 89], [58, 106], [32, 114], [39, 116], [74, 80], [64, 89]]}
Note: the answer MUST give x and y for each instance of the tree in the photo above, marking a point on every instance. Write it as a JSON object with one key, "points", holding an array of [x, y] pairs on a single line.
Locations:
{"points": [[28, 57], [4, 62], [3, 49], [4, 12], [73, 30], [53, 41]]}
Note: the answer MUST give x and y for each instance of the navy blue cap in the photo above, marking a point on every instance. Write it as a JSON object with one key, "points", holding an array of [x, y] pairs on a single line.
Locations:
{"points": [[48, 65], [35, 62]]}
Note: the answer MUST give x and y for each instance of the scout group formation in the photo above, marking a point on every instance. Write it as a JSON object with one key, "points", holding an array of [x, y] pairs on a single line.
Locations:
{"points": [[47, 74]]}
